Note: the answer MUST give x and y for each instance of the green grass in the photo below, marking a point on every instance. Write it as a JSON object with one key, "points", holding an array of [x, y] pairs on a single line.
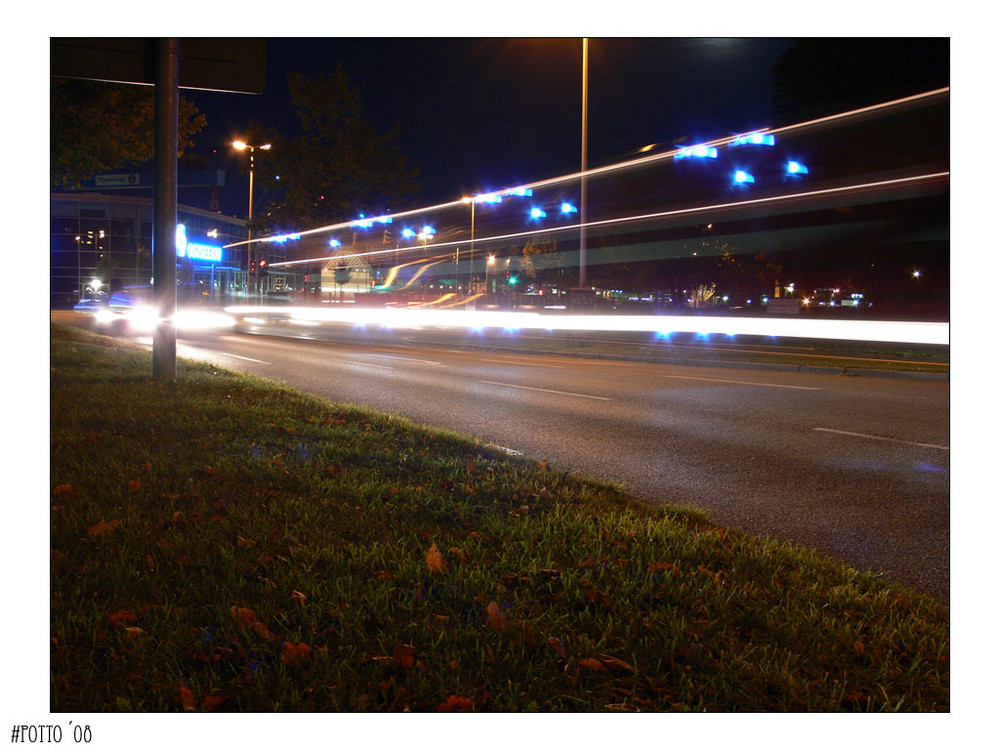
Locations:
{"points": [[225, 543]]}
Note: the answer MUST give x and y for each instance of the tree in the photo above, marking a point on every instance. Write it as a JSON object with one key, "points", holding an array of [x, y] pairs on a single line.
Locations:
{"points": [[540, 255], [98, 126], [339, 166]]}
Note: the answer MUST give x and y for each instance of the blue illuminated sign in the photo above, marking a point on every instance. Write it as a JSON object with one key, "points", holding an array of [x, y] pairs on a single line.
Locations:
{"points": [[195, 250], [754, 139], [701, 152]]}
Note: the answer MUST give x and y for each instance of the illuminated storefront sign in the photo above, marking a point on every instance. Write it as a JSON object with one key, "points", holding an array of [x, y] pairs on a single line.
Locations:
{"points": [[196, 250]]}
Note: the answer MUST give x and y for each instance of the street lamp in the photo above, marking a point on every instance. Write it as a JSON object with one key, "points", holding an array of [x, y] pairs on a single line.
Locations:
{"points": [[489, 262], [583, 176], [242, 146]]}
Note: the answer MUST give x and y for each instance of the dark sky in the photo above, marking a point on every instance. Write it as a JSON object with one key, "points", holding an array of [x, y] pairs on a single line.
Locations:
{"points": [[479, 114]]}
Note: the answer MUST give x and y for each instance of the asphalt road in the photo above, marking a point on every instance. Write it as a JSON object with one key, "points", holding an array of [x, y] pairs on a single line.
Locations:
{"points": [[855, 467]]}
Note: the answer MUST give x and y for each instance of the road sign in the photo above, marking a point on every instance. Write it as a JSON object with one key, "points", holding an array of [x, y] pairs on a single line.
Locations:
{"points": [[214, 64]]}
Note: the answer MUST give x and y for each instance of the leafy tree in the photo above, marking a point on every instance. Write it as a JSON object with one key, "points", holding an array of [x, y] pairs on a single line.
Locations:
{"points": [[540, 256], [339, 166], [98, 126]]}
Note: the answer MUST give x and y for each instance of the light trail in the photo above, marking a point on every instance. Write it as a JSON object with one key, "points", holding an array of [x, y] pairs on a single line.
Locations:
{"points": [[774, 199], [630, 164], [896, 332]]}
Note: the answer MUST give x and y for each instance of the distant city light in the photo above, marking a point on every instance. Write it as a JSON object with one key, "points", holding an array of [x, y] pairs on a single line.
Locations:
{"points": [[334, 242], [741, 177], [537, 213], [408, 233], [428, 229], [521, 192], [795, 167], [568, 208]]}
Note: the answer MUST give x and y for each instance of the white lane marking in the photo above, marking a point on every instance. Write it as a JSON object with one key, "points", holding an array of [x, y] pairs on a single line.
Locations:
{"points": [[502, 449], [521, 362], [879, 437], [368, 364], [747, 382], [408, 359], [248, 359], [545, 390]]}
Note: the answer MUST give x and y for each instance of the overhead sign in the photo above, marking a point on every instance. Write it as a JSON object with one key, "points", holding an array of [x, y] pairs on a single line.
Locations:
{"points": [[216, 64]]}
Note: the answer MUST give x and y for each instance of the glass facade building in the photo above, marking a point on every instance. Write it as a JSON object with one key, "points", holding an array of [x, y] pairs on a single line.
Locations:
{"points": [[105, 241]]}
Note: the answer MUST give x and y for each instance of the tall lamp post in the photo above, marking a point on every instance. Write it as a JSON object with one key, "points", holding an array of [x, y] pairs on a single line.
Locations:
{"points": [[583, 176], [242, 146]]}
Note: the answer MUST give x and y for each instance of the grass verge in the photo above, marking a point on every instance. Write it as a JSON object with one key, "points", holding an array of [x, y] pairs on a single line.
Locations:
{"points": [[225, 543]]}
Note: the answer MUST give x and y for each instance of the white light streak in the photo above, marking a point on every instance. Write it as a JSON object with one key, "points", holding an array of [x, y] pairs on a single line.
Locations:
{"points": [[897, 182], [901, 332], [577, 176]]}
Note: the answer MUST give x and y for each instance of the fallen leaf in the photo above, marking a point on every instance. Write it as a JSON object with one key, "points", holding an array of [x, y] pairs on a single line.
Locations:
{"points": [[187, 697], [150, 562], [213, 701], [298, 597], [121, 617], [658, 566], [594, 665], [244, 617], [61, 490], [134, 485], [615, 663], [435, 562], [134, 632], [103, 527], [295, 654], [147, 467], [404, 656], [495, 618], [457, 703], [261, 631], [559, 646]]}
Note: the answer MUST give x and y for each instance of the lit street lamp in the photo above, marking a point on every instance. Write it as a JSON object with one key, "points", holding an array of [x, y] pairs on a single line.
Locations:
{"points": [[242, 146]]}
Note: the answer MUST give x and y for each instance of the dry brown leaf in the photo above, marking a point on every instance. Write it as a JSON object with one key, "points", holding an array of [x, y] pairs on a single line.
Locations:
{"points": [[495, 617], [187, 697], [435, 562], [295, 654], [121, 617], [261, 631], [595, 665], [103, 527], [615, 663], [134, 485], [457, 703], [298, 597], [404, 656], [61, 490], [559, 646], [213, 701], [244, 617]]}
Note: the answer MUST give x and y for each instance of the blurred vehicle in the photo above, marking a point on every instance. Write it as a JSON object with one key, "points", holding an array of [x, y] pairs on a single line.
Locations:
{"points": [[132, 311], [92, 302]]}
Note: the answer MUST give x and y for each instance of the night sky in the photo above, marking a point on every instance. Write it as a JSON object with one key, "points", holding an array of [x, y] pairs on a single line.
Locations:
{"points": [[479, 114]]}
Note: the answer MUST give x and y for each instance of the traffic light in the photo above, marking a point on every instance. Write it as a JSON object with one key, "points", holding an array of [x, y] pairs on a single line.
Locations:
{"points": [[262, 267], [253, 268]]}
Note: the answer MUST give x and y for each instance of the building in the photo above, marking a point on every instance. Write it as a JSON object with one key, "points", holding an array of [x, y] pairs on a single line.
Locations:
{"points": [[102, 242]]}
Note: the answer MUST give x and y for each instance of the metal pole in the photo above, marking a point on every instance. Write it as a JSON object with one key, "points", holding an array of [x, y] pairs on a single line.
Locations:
{"points": [[165, 210], [249, 219], [472, 244], [583, 177]]}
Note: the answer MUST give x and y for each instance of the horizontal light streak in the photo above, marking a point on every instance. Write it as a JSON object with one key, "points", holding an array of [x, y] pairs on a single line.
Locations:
{"points": [[630, 164], [896, 182], [900, 332]]}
